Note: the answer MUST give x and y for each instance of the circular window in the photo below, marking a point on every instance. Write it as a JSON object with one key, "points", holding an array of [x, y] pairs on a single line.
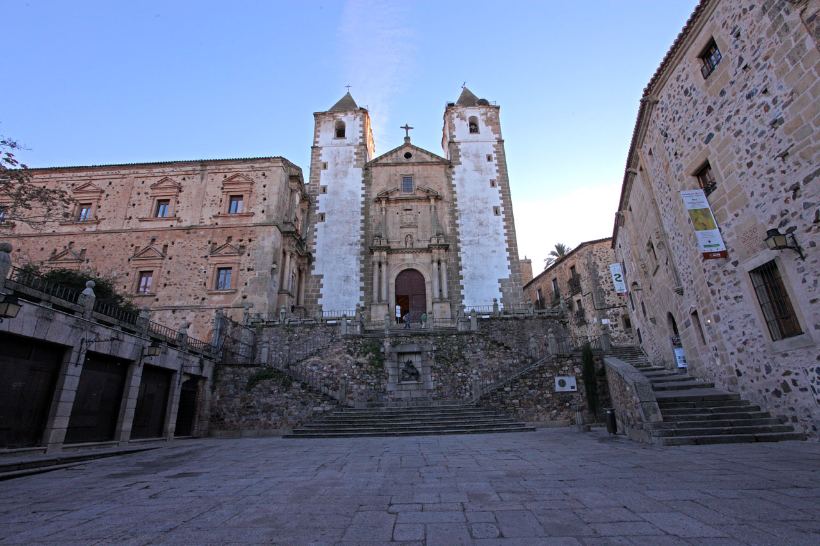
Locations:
{"points": [[407, 155]]}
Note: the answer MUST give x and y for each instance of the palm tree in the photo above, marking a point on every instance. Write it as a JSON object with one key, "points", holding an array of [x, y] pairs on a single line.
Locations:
{"points": [[556, 254]]}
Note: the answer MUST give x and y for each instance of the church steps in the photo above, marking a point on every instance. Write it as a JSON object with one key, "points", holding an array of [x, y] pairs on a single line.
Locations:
{"points": [[419, 432], [694, 412], [414, 420]]}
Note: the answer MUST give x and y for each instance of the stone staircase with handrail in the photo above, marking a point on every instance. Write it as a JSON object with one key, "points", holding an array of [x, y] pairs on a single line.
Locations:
{"points": [[695, 412]]}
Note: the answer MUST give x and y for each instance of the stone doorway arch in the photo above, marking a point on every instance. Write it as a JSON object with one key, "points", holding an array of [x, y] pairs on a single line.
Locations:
{"points": [[411, 294]]}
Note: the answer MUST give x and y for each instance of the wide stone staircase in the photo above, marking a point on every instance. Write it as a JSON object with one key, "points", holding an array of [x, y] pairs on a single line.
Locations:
{"points": [[441, 418], [695, 412]]}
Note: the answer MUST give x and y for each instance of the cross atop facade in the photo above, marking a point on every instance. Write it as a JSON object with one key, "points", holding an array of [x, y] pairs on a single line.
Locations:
{"points": [[406, 130], [348, 87]]}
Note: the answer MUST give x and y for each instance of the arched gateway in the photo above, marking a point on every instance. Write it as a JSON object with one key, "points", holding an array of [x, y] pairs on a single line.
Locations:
{"points": [[411, 294]]}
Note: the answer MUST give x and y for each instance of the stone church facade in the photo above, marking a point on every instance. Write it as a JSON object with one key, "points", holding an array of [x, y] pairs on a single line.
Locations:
{"points": [[247, 236], [732, 111], [410, 229]]}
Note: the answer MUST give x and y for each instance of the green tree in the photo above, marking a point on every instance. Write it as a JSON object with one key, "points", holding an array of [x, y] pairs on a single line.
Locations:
{"points": [[556, 254]]}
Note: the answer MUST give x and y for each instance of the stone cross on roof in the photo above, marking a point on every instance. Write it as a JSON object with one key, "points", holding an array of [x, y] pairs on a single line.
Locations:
{"points": [[406, 128]]}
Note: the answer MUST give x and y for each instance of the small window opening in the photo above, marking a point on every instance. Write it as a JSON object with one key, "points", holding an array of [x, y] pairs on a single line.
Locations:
{"points": [[84, 212], [497, 211], [340, 129], [162, 210], [223, 278], [473, 125], [492, 183], [710, 57], [235, 204], [145, 280], [489, 157], [407, 184], [706, 178], [698, 327]]}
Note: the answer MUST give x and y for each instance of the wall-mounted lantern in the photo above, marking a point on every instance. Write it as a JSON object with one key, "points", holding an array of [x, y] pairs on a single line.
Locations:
{"points": [[154, 349], [777, 241], [9, 306]]}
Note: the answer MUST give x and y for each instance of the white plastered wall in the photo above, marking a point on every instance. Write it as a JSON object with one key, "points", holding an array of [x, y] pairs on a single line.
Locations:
{"points": [[483, 244], [338, 238]]}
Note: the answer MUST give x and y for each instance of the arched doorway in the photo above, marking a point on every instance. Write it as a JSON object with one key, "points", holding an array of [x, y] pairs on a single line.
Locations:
{"points": [[411, 294]]}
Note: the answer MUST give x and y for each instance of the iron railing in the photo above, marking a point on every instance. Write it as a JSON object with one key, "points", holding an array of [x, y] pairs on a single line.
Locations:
{"points": [[116, 312], [39, 283]]}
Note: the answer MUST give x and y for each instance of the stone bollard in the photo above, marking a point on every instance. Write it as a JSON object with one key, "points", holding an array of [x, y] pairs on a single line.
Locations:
{"points": [[530, 308], [495, 307], [282, 314], [87, 299], [473, 321], [182, 333], [343, 325], [579, 420], [552, 343], [143, 319], [533, 347], [5, 262], [387, 320]]}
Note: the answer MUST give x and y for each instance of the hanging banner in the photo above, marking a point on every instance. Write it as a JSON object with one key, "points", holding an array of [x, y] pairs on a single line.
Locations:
{"points": [[707, 233], [617, 278]]}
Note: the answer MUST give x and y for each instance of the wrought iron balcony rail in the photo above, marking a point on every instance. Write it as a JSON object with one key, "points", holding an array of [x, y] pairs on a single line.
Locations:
{"points": [[39, 283]]}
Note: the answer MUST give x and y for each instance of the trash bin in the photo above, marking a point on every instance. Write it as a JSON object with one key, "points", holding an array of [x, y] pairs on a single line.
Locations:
{"points": [[611, 424]]}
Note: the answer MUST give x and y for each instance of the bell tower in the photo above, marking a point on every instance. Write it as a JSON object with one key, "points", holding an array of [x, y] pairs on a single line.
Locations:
{"points": [[488, 248], [342, 144]]}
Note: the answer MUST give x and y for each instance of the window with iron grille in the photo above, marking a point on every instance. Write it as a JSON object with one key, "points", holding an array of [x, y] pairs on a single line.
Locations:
{"points": [[407, 184], [774, 302], [706, 178], [710, 57]]}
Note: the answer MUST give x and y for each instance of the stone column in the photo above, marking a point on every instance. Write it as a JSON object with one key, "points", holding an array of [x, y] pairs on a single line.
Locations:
{"points": [[443, 273], [175, 388], [375, 280], [287, 280], [5, 263], [435, 278], [129, 400], [384, 280], [63, 402]]}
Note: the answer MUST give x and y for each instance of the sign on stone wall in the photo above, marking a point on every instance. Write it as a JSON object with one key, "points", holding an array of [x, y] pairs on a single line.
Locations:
{"points": [[707, 233], [618, 278]]}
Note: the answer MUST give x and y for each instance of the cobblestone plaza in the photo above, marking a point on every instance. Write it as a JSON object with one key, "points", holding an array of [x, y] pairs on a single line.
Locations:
{"points": [[553, 486]]}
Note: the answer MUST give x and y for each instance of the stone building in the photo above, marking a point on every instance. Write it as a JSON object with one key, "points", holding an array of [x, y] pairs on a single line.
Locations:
{"points": [[726, 143], [409, 228], [183, 238], [580, 283]]}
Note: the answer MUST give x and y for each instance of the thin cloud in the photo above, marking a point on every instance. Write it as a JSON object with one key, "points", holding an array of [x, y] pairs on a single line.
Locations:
{"points": [[377, 52]]}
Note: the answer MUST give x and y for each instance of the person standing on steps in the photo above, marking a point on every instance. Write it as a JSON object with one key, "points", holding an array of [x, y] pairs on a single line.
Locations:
{"points": [[424, 320], [407, 320], [398, 314]]}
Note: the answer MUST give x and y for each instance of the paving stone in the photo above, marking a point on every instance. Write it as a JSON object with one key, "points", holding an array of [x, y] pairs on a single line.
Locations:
{"points": [[480, 517], [681, 525], [408, 531], [588, 489], [519, 523], [447, 534], [484, 530], [627, 528]]}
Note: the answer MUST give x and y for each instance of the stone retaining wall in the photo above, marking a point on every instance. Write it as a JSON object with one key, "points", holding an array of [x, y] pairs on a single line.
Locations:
{"points": [[632, 398]]}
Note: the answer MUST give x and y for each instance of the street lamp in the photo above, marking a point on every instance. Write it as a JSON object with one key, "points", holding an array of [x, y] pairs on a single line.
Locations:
{"points": [[9, 306], [778, 241]]}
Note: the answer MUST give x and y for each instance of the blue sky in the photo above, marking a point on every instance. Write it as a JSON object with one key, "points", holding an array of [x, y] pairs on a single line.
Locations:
{"points": [[114, 82]]}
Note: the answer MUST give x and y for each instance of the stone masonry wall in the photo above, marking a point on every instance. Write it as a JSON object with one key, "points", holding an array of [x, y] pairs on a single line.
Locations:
{"points": [[252, 401], [754, 119]]}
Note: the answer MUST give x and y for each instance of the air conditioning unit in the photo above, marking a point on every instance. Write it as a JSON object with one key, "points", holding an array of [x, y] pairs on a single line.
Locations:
{"points": [[565, 383]]}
